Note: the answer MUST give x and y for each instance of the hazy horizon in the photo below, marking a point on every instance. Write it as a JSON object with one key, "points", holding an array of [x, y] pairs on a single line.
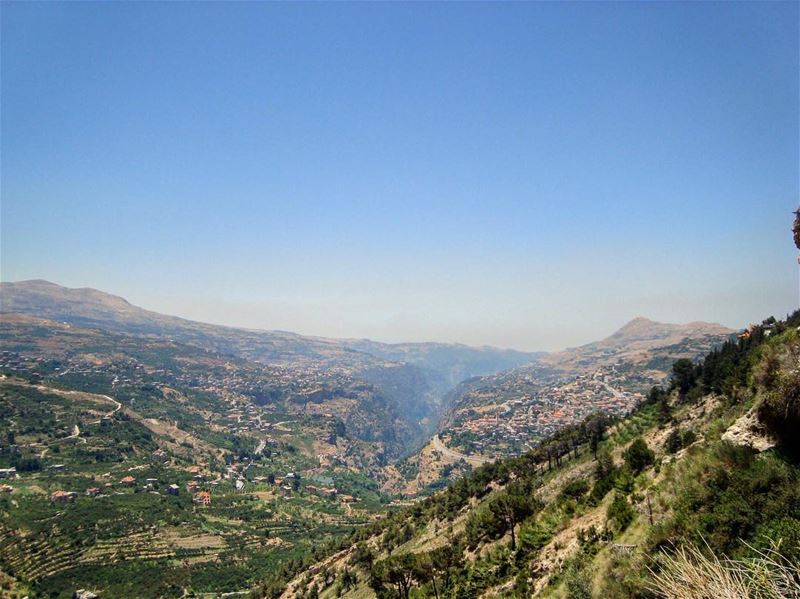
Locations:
{"points": [[396, 341], [530, 176]]}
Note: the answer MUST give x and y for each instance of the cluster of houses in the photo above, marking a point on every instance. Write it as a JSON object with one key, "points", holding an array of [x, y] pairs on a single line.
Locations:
{"points": [[521, 421], [200, 497], [321, 491], [767, 327], [14, 362], [8, 472], [150, 484]]}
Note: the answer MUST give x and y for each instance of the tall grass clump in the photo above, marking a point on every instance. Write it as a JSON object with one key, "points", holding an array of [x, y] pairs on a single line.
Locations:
{"points": [[689, 573]]}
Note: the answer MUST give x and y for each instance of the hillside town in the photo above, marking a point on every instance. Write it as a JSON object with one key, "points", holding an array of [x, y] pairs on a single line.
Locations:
{"points": [[527, 413]]}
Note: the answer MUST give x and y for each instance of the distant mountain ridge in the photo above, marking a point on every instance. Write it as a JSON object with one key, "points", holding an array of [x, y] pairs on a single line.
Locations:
{"points": [[641, 328], [423, 380], [91, 307], [639, 341]]}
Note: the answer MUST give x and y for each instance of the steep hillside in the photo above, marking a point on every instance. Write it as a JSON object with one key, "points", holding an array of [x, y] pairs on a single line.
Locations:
{"points": [[695, 494], [507, 413]]}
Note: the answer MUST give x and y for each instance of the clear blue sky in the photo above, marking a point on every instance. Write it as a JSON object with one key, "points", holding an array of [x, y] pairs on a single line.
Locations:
{"points": [[524, 175]]}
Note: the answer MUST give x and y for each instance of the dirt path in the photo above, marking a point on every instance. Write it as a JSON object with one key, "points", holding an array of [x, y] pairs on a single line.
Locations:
{"points": [[68, 393], [472, 460], [155, 425]]}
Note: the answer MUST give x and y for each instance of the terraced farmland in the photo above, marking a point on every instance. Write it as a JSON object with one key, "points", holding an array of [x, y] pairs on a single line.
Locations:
{"points": [[112, 507]]}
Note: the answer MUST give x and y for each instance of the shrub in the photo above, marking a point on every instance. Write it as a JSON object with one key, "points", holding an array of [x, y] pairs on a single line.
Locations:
{"points": [[575, 489], [638, 456], [689, 437], [535, 534], [578, 579], [778, 375], [674, 441], [620, 513], [732, 494], [678, 439]]}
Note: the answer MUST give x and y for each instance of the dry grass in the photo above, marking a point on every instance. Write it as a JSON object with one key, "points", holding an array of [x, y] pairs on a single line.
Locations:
{"points": [[689, 573]]}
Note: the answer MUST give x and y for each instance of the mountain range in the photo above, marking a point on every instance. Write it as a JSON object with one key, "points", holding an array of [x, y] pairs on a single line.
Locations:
{"points": [[424, 382], [415, 376], [96, 309]]}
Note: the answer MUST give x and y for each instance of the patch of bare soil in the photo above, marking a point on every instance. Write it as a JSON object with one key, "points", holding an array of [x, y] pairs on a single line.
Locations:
{"points": [[563, 546], [197, 541]]}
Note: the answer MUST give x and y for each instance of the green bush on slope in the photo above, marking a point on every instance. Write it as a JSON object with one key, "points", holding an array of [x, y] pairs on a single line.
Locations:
{"points": [[778, 377], [731, 493]]}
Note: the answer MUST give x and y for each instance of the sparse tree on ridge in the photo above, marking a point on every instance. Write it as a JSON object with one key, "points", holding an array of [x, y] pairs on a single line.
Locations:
{"points": [[796, 228], [510, 509]]}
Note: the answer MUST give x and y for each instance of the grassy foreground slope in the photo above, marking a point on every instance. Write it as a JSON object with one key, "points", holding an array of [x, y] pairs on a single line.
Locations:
{"points": [[700, 486]]}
